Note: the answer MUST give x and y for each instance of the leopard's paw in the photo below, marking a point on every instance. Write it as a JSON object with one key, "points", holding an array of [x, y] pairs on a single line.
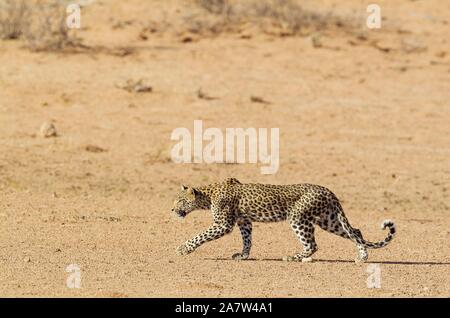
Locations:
{"points": [[240, 256], [184, 249]]}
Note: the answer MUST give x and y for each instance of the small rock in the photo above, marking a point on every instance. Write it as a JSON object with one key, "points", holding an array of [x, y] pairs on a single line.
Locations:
{"points": [[245, 35], [142, 88], [138, 86], [413, 46], [122, 51], [257, 99], [362, 36], [48, 130], [202, 95], [188, 38], [382, 46], [95, 149], [142, 36], [27, 259]]}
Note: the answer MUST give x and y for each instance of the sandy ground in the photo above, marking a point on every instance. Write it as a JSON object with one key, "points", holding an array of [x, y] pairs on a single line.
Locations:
{"points": [[368, 120]]}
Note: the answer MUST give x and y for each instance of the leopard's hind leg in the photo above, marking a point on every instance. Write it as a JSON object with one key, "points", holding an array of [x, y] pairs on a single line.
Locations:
{"points": [[329, 222], [304, 229], [362, 250]]}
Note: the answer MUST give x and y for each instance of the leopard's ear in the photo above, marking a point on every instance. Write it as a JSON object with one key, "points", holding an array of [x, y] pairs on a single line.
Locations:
{"points": [[183, 188], [193, 191]]}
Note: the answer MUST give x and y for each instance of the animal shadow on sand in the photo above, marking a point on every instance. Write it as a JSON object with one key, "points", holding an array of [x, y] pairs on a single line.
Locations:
{"points": [[336, 261]]}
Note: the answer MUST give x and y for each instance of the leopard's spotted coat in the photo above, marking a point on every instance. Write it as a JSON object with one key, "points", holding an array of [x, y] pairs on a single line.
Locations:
{"points": [[303, 205]]}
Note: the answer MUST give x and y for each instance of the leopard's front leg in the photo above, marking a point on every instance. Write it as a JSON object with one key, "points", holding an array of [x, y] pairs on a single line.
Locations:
{"points": [[245, 226], [212, 233]]}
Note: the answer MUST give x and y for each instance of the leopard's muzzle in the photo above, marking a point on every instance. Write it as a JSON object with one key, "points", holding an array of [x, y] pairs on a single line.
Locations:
{"points": [[180, 213]]}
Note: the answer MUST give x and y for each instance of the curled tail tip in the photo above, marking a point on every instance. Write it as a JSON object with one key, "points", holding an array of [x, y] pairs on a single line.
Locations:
{"points": [[388, 224]]}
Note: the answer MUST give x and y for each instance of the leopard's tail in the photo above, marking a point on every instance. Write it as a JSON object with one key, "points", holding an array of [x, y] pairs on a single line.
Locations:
{"points": [[355, 235]]}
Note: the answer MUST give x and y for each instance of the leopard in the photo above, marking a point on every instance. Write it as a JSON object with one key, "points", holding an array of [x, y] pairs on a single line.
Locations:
{"points": [[303, 205]]}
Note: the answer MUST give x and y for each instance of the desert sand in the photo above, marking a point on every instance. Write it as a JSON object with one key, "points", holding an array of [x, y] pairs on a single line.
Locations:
{"points": [[364, 114]]}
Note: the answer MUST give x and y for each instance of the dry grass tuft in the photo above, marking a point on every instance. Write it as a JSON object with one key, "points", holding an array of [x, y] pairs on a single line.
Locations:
{"points": [[278, 17], [40, 24], [13, 15], [215, 6]]}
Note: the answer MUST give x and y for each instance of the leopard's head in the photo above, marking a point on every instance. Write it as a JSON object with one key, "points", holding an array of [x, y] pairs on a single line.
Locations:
{"points": [[187, 200]]}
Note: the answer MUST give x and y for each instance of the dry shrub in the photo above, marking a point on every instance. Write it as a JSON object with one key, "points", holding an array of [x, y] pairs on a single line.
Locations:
{"points": [[13, 14], [288, 16], [47, 28], [215, 6], [40, 24]]}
